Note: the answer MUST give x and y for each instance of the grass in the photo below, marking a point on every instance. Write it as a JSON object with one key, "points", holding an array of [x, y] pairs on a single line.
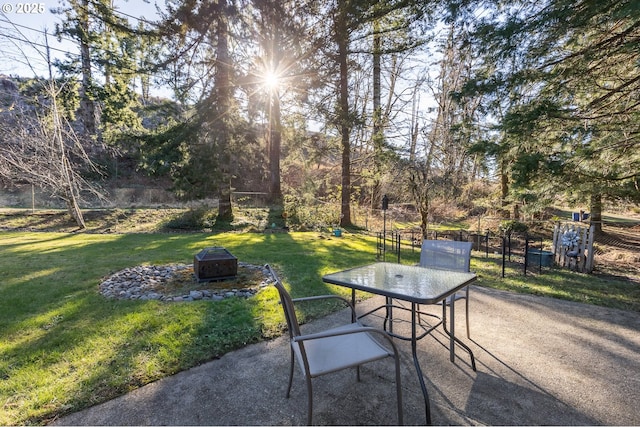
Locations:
{"points": [[561, 283], [64, 347]]}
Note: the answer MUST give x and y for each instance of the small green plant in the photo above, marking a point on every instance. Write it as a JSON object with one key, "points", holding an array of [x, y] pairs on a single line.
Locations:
{"points": [[513, 226], [196, 219]]}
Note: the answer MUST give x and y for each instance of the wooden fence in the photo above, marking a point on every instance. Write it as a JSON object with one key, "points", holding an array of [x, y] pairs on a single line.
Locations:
{"points": [[573, 246]]}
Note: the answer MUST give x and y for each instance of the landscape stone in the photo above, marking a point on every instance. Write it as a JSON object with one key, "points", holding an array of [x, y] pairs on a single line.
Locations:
{"points": [[143, 283]]}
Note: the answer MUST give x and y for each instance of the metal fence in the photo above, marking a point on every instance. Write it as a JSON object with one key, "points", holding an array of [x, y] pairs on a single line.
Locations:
{"points": [[524, 250]]}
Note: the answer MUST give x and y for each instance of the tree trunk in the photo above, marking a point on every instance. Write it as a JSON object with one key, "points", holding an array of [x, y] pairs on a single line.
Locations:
{"points": [[424, 220], [223, 89], [275, 121], [504, 189], [414, 125], [342, 35], [596, 212], [378, 136], [74, 210], [68, 185], [420, 191], [275, 138], [87, 107]]}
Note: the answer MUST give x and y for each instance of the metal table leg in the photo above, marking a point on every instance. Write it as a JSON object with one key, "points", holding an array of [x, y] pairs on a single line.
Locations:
{"points": [[452, 348], [388, 318], [414, 345], [452, 337]]}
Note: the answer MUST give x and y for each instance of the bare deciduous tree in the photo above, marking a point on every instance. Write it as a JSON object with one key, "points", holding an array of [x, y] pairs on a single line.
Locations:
{"points": [[40, 148]]}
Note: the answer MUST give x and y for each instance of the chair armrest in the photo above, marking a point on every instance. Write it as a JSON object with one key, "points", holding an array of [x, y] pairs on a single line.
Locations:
{"points": [[321, 297]]}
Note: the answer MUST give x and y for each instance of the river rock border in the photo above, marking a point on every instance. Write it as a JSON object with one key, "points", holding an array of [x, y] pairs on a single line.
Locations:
{"points": [[142, 283]]}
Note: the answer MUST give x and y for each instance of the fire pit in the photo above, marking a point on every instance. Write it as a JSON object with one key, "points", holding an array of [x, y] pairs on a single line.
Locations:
{"points": [[215, 263]]}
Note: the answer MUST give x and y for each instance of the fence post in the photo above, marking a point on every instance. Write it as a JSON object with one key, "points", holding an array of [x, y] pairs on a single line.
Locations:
{"points": [[582, 266], [555, 248], [487, 245], [592, 234], [526, 253], [540, 255], [504, 244]]}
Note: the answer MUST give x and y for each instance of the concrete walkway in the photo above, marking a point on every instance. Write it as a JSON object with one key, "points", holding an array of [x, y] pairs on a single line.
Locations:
{"points": [[540, 361]]}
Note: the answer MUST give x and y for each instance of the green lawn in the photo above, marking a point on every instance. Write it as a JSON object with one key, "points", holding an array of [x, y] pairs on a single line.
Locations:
{"points": [[64, 347]]}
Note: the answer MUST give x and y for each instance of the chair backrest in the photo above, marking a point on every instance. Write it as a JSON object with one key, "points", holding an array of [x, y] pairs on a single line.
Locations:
{"points": [[446, 255], [287, 305]]}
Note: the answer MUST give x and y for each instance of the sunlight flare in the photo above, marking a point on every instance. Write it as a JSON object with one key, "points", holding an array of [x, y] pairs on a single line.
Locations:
{"points": [[271, 81]]}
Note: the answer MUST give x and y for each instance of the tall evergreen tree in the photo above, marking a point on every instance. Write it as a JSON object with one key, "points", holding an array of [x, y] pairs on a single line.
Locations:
{"points": [[78, 25], [107, 66], [280, 31], [578, 125], [199, 35], [224, 93]]}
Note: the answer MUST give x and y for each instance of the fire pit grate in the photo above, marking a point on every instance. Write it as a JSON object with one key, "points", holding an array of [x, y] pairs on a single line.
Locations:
{"points": [[215, 263]]}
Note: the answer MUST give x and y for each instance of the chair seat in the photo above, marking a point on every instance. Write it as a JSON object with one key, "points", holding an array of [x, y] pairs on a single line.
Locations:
{"points": [[335, 353]]}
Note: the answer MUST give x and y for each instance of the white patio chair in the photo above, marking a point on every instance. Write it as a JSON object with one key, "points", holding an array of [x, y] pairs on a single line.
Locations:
{"points": [[448, 255], [345, 346]]}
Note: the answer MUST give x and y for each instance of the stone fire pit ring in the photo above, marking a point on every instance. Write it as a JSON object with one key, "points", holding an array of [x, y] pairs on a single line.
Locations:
{"points": [[145, 282]]}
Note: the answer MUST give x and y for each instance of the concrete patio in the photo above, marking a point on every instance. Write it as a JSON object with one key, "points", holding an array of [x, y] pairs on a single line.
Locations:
{"points": [[540, 361]]}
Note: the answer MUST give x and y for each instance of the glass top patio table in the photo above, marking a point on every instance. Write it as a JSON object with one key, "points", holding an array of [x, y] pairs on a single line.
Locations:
{"points": [[414, 284], [405, 282]]}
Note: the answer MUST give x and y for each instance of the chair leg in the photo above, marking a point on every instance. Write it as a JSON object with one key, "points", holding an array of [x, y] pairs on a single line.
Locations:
{"points": [[467, 313], [309, 400], [399, 390], [290, 374]]}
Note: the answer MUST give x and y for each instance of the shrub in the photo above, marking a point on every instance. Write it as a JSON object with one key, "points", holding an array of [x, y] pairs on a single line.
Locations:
{"points": [[308, 214], [198, 218], [513, 226]]}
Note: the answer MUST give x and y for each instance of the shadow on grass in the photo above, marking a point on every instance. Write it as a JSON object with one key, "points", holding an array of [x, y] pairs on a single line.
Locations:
{"points": [[64, 347], [84, 349]]}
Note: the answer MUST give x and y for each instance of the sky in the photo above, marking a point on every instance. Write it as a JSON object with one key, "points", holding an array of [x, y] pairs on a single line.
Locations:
{"points": [[23, 33], [26, 29]]}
